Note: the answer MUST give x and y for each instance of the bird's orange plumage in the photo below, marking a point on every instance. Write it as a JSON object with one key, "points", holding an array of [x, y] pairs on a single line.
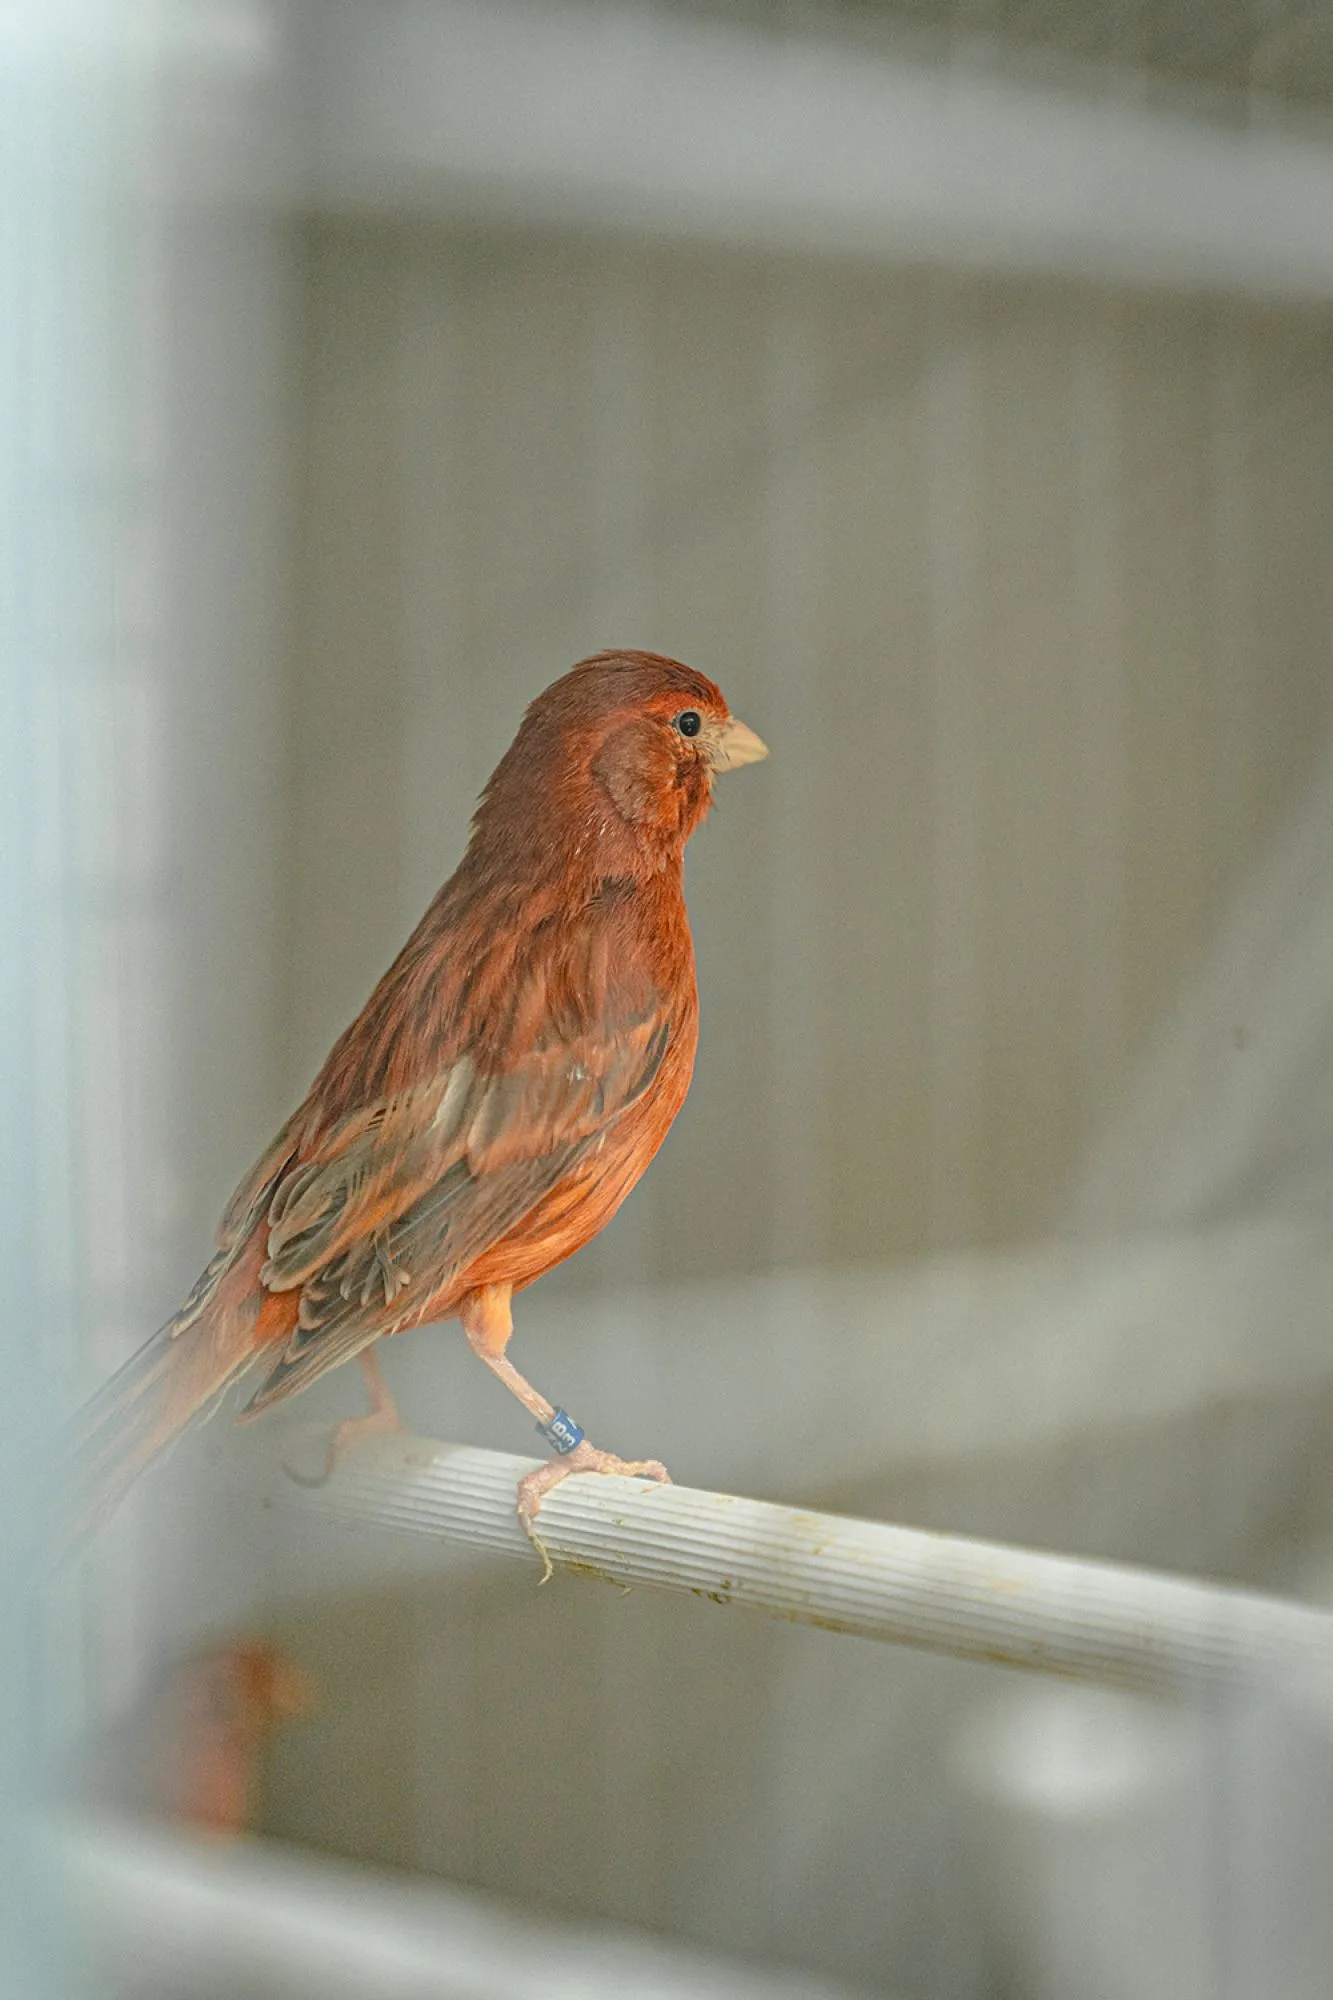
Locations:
{"points": [[502, 1090]]}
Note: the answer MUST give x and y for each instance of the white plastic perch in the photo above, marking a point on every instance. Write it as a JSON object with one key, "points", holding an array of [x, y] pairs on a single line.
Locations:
{"points": [[1124, 1627]]}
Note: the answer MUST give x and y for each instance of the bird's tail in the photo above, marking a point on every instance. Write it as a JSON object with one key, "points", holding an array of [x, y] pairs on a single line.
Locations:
{"points": [[174, 1380]]}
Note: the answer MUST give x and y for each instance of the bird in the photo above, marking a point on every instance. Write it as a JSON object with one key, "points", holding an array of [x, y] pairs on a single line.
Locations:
{"points": [[503, 1089]]}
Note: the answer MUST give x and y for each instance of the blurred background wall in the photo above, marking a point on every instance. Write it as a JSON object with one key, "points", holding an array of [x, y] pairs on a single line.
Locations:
{"points": [[1027, 580], [958, 391]]}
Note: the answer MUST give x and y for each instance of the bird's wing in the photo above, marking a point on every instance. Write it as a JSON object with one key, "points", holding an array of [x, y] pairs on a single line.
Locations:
{"points": [[402, 1195]]}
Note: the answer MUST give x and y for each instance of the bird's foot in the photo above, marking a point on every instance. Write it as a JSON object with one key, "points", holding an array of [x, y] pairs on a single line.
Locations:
{"points": [[344, 1435], [584, 1457]]}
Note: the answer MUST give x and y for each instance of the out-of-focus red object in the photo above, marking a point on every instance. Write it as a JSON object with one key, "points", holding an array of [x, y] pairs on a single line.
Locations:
{"points": [[226, 1705], [190, 1750]]}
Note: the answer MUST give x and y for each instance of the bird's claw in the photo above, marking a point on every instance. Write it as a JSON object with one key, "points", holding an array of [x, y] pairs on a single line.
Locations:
{"points": [[585, 1457], [548, 1567], [311, 1481], [343, 1435]]}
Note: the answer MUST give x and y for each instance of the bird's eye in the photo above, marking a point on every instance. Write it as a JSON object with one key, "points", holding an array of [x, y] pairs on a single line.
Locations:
{"points": [[689, 722]]}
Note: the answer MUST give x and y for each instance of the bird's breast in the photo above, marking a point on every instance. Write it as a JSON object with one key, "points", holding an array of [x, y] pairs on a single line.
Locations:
{"points": [[585, 1198]]}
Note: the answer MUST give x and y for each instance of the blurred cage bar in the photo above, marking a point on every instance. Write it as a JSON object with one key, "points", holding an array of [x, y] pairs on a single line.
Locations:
{"points": [[957, 385]]}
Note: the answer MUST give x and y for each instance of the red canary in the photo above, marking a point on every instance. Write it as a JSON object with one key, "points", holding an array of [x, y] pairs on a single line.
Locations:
{"points": [[496, 1099]]}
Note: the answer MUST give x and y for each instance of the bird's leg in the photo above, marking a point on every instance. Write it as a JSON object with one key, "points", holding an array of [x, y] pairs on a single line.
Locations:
{"points": [[488, 1322], [381, 1416]]}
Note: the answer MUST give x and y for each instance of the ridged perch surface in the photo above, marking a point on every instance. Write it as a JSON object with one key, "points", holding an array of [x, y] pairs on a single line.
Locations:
{"points": [[1104, 1622]]}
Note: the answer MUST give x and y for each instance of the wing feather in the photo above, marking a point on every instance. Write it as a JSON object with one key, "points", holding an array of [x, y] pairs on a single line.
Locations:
{"points": [[401, 1195]]}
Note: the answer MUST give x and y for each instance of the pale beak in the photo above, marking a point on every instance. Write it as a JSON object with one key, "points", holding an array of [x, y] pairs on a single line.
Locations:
{"points": [[731, 744]]}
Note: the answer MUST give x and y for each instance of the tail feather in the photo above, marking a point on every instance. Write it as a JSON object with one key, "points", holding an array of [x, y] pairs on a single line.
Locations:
{"points": [[174, 1381], [178, 1377]]}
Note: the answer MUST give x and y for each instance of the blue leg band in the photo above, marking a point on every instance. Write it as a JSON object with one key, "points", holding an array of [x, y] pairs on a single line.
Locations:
{"points": [[562, 1432]]}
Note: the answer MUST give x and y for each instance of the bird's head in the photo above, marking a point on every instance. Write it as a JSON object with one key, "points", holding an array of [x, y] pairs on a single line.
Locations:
{"points": [[625, 747]]}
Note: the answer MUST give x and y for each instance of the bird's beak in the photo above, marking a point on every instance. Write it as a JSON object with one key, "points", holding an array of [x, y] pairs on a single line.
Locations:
{"points": [[732, 744]]}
